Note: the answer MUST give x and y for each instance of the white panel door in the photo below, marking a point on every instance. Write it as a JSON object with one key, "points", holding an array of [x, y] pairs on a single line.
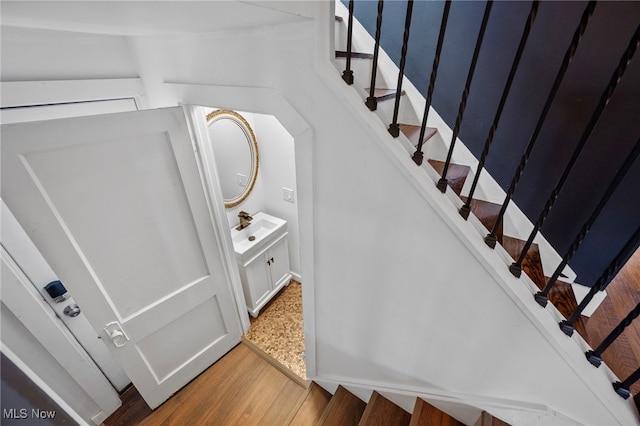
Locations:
{"points": [[116, 205]]}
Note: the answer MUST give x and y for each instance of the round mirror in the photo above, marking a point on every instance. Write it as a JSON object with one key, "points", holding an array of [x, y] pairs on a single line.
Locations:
{"points": [[236, 151]]}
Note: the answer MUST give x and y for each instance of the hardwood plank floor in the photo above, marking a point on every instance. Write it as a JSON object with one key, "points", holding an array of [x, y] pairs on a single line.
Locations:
{"points": [[313, 406], [623, 294], [241, 388]]}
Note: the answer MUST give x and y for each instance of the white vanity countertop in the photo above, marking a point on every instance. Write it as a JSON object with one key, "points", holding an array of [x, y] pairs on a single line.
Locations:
{"points": [[265, 228]]}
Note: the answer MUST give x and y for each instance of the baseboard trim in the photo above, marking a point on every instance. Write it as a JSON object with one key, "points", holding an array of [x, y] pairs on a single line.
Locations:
{"points": [[485, 403]]}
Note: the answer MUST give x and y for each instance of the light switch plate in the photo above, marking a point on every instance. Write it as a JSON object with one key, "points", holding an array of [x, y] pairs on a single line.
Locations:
{"points": [[287, 194], [242, 180]]}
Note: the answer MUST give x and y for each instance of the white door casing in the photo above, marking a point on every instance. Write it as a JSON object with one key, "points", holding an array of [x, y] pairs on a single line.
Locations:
{"points": [[38, 273], [23, 300], [116, 205]]}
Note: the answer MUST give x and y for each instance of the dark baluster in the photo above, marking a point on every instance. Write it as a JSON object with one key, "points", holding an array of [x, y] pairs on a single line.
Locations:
{"points": [[490, 239], [347, 74], [516, 267], [622, 388], [567, 325], [542, 296], [442, 183], [594, 356], [418, 156], [371, 101], [466, 208], [394, 129]]}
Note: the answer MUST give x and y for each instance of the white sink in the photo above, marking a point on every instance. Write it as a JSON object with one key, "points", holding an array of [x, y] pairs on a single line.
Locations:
{"points": [[263, 229]]}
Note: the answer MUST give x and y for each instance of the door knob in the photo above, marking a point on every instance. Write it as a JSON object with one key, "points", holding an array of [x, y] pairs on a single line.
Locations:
{"points": [[117, 334], [72, 310]]}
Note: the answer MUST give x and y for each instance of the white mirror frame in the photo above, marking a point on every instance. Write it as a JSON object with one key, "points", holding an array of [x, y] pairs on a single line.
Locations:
{"points": [[253, 147]]}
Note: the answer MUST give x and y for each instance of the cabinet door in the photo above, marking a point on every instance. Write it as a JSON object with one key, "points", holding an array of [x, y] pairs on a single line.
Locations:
{"points": [[258, 279], [279, 257]]}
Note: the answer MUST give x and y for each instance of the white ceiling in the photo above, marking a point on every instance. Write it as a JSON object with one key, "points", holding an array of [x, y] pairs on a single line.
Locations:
{"points": [[137, 18]]}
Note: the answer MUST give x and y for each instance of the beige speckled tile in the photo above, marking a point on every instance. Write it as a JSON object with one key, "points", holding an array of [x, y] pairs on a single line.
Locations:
{"points": [[278, 329]]}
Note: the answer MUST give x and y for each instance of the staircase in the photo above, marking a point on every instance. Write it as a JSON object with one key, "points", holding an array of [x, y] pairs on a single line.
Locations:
{"points": [[562, 295], [345, 409], [456, 177]]}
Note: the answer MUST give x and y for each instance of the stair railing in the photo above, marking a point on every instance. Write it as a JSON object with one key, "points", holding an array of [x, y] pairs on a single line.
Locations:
{"points": [[466, 207], [491, 239], [567, 326], [601, 283], [394, 128], [372, 102], [542, 296], [442, 182], [418, 156], [622, 388], [347, 74], [516, 267]]}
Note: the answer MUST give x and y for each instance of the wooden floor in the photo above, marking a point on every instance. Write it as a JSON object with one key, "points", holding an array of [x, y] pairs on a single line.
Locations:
{"points": [[623, 294], [241, 388]]}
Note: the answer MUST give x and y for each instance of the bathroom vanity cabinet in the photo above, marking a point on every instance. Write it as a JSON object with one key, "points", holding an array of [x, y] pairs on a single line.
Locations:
{"points": [[265, 274], [262, 253]]}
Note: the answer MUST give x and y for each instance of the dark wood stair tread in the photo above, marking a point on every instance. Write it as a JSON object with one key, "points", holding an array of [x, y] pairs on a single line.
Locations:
{"points": [[487, 213], [412, 132], [384, 94], [354, 55], [344, 409], [456, 175], [425, 414], [381, 411], [561, 295]]}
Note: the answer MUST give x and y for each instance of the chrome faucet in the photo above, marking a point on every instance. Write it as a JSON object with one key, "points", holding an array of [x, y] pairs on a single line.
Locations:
{"points": [[245, 220]]}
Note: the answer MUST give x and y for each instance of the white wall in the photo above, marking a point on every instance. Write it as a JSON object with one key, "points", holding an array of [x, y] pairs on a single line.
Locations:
{"points": [[33, 54], [276, 170], [401, 296]]}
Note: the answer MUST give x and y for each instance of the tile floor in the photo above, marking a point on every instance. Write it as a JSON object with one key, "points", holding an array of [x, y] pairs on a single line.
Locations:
{"points": [[278, 329]]}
